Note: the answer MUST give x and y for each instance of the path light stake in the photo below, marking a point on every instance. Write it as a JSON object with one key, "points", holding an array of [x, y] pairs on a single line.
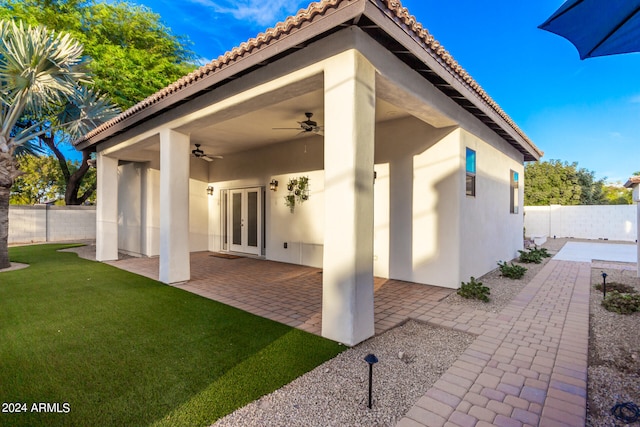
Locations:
{"points": [[370, 359], [604, 284]]}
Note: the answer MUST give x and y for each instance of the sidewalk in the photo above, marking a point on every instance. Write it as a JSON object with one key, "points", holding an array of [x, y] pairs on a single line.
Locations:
{"points": [[528, 366]]}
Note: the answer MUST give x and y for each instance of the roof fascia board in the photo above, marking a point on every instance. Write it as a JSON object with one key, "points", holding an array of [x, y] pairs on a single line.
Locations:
{"points": [[346, 11], [417, 48]]}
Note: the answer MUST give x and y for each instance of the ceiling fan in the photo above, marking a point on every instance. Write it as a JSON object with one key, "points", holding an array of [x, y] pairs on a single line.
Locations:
{"points": [[198, 153], [307, 126]]}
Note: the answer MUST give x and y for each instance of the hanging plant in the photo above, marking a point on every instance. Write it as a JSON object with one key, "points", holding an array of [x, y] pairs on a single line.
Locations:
{"points": [[298, 190]]}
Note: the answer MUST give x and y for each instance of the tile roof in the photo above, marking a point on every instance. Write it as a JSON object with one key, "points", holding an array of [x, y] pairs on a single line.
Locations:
{"points": [[634, 180], [392, 8]]}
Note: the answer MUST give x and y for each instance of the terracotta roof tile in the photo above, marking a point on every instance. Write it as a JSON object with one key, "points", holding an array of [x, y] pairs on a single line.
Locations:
{"points": [[634, 180], [392, 8]]}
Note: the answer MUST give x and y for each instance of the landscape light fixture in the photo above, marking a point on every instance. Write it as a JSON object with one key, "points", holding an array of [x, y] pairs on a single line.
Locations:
{"points": [[210, 190], [370, 359], [273, 185], [604, 284]]}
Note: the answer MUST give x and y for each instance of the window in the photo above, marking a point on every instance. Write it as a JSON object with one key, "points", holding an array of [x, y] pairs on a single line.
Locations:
{"points": [[514, 205], [471, 172]]}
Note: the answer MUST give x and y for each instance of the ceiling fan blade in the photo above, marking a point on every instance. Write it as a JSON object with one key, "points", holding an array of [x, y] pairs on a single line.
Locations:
{"points": [[285, 128], [206, 158]]}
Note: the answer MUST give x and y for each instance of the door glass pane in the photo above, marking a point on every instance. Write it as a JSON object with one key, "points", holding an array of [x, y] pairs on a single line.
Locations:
{"points": [[225, 220], [252, 220], [236, 221]]}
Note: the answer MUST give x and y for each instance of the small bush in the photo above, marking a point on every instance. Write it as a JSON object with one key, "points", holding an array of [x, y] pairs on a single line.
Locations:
{"points": [[621, 303], [531, 256], [542, 251], [474, 290], [512, 271], [618, 287]]}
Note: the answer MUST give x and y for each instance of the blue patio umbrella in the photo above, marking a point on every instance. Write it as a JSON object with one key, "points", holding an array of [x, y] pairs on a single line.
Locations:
{"points": [[598, 27]]}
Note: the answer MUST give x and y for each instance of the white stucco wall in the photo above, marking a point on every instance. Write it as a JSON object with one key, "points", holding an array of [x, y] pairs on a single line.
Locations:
{"points": [[612, 222], [489, 232], [139, 209], [32, 224]]}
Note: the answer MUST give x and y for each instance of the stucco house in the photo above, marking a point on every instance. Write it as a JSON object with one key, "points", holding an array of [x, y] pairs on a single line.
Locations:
{"points": [[414, 172]]}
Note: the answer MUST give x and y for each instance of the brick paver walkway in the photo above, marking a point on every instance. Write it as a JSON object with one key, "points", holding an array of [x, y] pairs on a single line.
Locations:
{"points": [[527, 366]]}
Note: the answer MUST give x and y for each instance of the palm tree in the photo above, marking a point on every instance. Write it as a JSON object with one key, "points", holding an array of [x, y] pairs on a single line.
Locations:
{"points": [[41, 72]]}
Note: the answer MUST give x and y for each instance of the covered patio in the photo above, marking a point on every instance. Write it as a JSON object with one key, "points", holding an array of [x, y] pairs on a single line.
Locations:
{"points": [[287, 293]]}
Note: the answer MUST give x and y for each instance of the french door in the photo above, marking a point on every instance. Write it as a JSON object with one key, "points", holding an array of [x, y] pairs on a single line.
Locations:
{"points": [[244, 212]]}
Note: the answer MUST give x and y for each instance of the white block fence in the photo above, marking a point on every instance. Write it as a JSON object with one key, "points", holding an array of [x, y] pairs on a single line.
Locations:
{"points": [[32, 224], [40, 223], [611, 222]]}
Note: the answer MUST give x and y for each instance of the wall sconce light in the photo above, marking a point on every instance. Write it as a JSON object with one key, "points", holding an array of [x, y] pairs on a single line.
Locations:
{"points": [[210, 190], [273, 185]]}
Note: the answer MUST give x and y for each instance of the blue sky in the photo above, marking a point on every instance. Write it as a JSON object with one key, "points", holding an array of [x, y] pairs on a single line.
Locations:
{"points": [[577, 111]]}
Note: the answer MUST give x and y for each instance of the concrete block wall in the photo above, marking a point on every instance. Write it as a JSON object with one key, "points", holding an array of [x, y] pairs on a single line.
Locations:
{"points": [[34, 224], [612, 222]]}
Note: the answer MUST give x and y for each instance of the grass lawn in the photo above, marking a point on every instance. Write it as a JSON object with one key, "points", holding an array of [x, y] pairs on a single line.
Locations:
{"points": [[121, 350]]}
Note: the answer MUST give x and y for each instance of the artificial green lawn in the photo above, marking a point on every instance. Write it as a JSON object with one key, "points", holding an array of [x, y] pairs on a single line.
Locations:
{"points": [[125, 350]]}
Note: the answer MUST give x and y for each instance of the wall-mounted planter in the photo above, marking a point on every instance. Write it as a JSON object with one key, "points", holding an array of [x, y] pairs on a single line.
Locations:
{"points": [[298, 192]]}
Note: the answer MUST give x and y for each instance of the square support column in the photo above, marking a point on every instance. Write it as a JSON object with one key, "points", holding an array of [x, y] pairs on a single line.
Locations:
{"points": [[347, 284], [107, 209], [174, 207]]}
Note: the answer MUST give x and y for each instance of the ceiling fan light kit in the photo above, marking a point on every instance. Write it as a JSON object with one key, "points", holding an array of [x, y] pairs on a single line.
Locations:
{"points": [[307, 126], [199, 154]]}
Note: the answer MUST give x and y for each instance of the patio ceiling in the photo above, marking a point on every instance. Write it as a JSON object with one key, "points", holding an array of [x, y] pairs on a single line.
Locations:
{"points": [[246, 127]]}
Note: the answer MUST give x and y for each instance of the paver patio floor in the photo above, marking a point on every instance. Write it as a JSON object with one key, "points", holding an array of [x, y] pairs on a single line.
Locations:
{"points": [[527, 366], [287, 293]]}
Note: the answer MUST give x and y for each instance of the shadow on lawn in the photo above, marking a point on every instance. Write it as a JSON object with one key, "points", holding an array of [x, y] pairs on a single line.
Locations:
{"points": [[122, 349]]}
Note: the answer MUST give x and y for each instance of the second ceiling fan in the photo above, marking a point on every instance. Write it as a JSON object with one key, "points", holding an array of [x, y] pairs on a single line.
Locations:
{"points": [[307, 126]]}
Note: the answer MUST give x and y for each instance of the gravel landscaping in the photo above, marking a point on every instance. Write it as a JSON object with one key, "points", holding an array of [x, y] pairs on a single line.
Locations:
{"points": [[413, 356], [614, 350]]}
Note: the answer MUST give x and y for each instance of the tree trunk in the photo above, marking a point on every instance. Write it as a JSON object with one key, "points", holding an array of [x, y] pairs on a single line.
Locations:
{"points": [[4, 228], [8, 173], [72, 180]]}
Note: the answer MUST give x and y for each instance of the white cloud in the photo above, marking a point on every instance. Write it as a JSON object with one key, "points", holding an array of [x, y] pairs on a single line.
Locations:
{"points": [[258, 12]]}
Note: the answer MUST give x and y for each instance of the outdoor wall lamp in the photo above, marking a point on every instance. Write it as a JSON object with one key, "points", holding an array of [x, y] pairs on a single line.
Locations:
{"points": [[210, 190], [273, 185]]}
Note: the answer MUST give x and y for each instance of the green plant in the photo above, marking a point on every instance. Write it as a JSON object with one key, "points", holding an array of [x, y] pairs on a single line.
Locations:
{"points": [[618, 287], [475, 290], [512, 271], [621, 303], [290, 201], [542, 251], [298, 190], [530, 256]]}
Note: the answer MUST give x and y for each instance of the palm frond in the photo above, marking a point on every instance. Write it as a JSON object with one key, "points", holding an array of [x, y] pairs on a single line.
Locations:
{"points": [[38, 68]]}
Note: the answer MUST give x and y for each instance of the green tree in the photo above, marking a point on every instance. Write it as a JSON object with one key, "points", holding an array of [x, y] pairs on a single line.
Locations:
{"points": [[563, 183], [132, 56], [43, 180], [39, 71], [616, 194]]}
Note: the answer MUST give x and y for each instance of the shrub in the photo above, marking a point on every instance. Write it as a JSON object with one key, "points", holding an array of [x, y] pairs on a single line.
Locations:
{"points": [[474, 290], [618, 287], [621, 303], [542, 251], [512, 271], [531, 256]]}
